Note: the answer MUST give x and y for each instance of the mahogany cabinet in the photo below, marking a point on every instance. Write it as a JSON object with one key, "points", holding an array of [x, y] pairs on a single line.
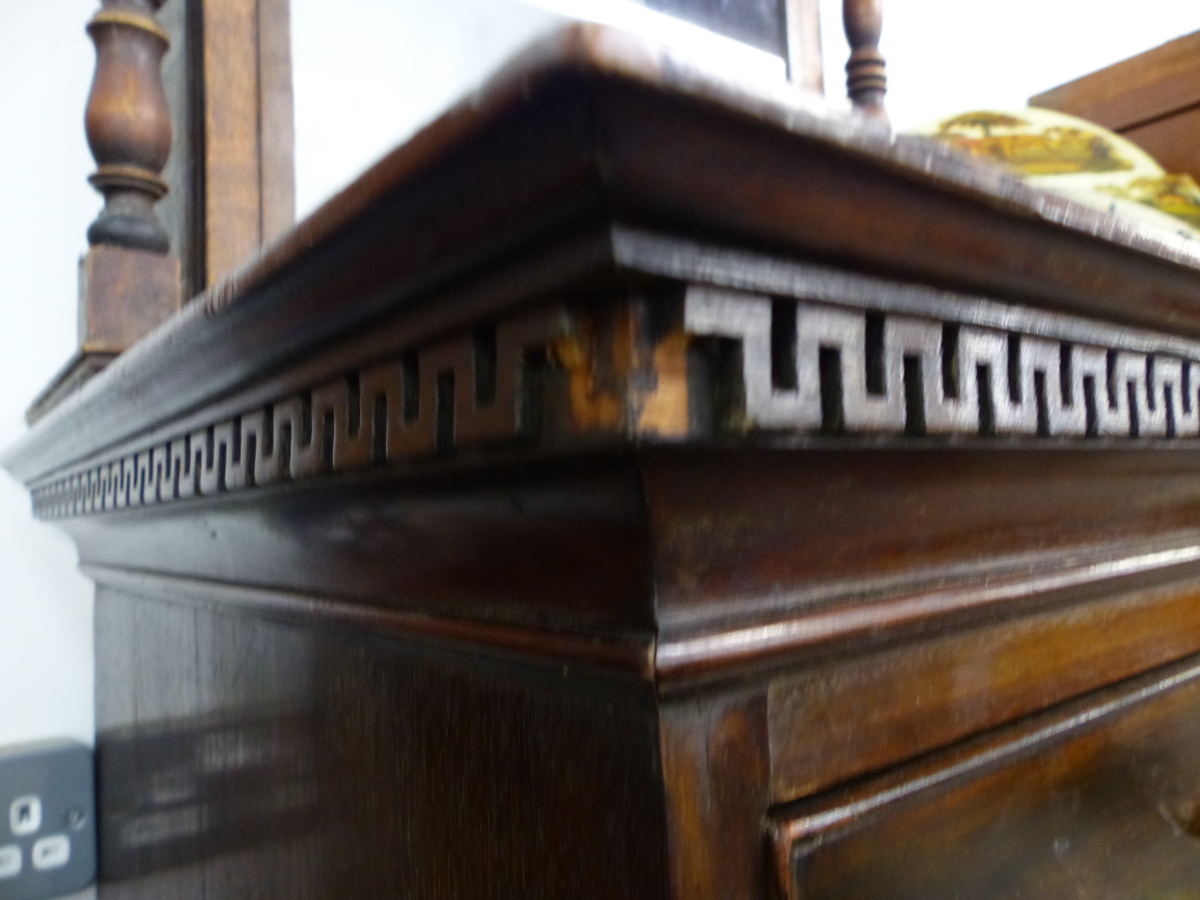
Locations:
{"points": [[644, 485]]}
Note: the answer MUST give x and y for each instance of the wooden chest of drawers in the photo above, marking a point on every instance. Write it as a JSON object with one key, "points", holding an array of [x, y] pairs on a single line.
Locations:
{"points": [[641, 485]]}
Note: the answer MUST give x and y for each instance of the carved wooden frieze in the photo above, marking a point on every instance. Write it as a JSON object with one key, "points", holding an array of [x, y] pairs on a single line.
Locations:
{"points": [[813, 367], [838, 355], [456, 393]]}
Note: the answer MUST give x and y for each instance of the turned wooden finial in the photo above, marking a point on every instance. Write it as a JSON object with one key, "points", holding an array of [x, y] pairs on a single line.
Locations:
{"points": [[128, 124], [866, 72]]}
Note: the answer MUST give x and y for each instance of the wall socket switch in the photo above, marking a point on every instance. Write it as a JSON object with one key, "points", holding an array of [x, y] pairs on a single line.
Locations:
{"points": [[47, 820]]}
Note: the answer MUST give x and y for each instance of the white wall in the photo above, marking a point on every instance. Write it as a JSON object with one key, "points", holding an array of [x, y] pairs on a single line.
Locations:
{"points": [[45, 605], [368, 72], [368, 76]]}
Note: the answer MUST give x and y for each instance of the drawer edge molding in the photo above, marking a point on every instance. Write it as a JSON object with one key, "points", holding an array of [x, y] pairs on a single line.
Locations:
{"points": [[687, 658]]}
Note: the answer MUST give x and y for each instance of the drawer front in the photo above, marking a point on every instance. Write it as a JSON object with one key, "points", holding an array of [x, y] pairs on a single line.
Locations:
{"points": [[869, 711], [1099, 798]]}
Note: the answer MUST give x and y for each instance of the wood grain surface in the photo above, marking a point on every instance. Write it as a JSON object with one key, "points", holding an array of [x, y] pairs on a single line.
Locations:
{"points": [[281, 760]]}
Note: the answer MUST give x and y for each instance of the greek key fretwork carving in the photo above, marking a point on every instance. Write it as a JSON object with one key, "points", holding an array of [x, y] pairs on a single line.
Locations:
{"points": [[781, 365], [464, 391], [809, 367]]}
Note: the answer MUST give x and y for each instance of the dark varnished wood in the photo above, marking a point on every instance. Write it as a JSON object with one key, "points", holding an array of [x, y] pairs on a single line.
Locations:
{"points": [[124, 293], [507, 547], [716, 773], [738, 733], [822, 526], [255, 768], [249, 193], [909, 698], [561, 512], [1171, 140], [922, 537]]}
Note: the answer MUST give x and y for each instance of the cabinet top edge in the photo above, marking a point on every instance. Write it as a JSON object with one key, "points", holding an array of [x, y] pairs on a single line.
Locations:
{"points": [[605, 96]]}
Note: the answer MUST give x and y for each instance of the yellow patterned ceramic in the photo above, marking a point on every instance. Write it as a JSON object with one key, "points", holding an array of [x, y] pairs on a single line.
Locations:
{"points": [[1077, 159]]}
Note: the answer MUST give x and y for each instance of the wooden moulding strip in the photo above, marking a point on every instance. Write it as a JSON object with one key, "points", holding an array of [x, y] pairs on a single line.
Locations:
{"points": [[714, 265], [628, 654], [715, 652]]}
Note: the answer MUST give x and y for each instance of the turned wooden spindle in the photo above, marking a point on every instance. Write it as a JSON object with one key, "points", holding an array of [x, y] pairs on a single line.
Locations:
{"points": [[128, 124], [866, 73], [128, 281]]}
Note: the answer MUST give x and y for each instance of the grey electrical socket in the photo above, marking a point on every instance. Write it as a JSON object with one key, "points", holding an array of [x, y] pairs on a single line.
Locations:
{"points": [[47, 820]]}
